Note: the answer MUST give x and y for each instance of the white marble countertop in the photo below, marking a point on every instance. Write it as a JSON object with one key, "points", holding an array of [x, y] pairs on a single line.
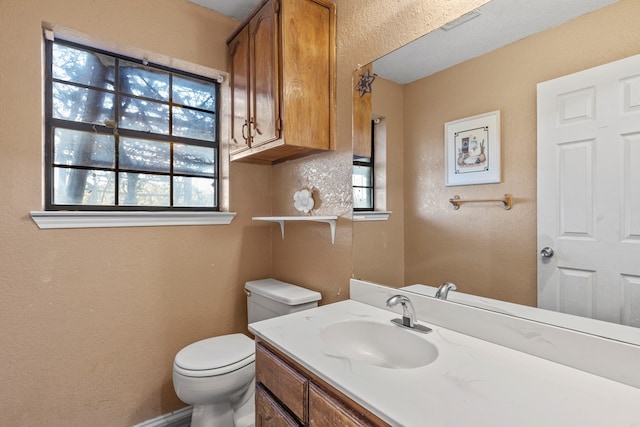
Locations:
{"points": [[471, 383]]}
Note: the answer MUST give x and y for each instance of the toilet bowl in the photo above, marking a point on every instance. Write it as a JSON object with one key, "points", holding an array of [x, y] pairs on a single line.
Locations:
{"points": [[217, 375]]}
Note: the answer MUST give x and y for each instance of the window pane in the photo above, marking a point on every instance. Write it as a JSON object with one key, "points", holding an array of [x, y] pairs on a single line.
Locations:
{"points": [[78, 148], [194, 93], [142, 115], [92, 96], [144, 155], [139, 189], [363, 198], [138, 80], [191, 192], [83, 67], [194, 159], [194, 124], [83, 187], [81, 105], [362, 176]]}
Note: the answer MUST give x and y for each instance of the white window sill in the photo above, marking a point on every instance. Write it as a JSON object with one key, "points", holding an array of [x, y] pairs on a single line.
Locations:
{"points": [[78, 219], [371, 216]]}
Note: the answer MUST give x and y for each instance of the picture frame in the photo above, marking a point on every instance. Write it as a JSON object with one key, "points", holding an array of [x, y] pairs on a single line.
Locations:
{"points": [[472, 150]]}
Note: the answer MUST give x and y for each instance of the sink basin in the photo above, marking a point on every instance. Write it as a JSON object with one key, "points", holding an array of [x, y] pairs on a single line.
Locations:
{"points": [[378, 344]]}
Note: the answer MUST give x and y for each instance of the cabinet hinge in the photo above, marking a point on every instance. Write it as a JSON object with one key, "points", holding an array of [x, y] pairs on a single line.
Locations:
{"points": [[277, 6], [279, 124]]}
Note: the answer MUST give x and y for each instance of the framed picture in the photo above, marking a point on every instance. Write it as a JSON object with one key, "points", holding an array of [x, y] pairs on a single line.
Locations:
{"points": [[472, 150]]}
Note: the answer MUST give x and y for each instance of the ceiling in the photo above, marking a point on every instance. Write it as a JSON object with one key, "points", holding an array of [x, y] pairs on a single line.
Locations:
{"points": [[500, 22], [237, 9]]}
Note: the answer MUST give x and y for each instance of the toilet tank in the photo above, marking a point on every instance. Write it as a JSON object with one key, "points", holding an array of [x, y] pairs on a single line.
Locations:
{"points": [[269, 298]]}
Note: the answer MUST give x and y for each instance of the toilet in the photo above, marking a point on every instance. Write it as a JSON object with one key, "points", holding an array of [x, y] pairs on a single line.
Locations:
{"points": [[217, 375]]}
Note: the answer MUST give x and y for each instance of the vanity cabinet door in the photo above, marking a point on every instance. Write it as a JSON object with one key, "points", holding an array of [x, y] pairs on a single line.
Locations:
{"points": [[325, 410], [287, 385], [269, 413]]}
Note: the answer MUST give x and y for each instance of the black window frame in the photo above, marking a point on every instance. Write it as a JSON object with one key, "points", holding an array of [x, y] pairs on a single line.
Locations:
{"points": [[370, 163], [52, 123]]}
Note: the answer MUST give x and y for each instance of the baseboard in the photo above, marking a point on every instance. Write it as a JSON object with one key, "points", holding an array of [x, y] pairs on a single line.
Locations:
{"points": [[179, 418]]}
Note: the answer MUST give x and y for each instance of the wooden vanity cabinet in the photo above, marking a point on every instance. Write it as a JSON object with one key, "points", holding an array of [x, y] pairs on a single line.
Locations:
{"points": [[282, 81], [289, 395]]}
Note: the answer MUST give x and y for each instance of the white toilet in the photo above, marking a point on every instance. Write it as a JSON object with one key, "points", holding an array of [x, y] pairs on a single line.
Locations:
{"points": [[217, 375]]}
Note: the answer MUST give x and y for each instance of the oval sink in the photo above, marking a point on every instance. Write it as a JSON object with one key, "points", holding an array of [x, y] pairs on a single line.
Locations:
{"points": [[378, 344]]}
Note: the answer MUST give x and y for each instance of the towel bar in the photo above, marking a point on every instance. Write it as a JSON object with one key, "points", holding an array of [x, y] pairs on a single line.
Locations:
{"points": [[456, 201]]}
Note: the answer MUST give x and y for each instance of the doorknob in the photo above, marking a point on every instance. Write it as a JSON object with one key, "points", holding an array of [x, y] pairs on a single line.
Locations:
{"points": [[546, 252]]}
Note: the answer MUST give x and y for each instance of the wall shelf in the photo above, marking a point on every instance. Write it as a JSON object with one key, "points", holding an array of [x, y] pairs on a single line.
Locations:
{"points": [[331, 220]]}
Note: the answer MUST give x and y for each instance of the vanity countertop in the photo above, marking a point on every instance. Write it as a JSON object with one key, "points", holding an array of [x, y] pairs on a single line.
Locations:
{"points": [[471, 383]]}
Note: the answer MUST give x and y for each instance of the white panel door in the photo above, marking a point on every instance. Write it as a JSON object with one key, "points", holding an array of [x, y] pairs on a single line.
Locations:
{"points": [[589, 193]]}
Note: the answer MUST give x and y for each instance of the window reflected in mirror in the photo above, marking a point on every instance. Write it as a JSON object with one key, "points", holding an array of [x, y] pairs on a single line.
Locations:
{"points": [[363, 179]]}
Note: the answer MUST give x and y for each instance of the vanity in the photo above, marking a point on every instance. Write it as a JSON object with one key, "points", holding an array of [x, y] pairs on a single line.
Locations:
{"points": [[315, 368], [289, 394]]}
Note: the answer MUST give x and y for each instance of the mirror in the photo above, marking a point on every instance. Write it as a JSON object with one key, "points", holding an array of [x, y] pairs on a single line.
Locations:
{"points": [[486, 250]]}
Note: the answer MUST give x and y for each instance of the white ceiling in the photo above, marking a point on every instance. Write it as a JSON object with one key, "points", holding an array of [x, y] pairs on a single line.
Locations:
{"points": [[238, 9], [500, 22]]}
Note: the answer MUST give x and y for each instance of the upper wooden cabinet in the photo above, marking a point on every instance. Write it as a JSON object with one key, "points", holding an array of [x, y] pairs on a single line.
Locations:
{"points": [[282, 65], [362, 114]]}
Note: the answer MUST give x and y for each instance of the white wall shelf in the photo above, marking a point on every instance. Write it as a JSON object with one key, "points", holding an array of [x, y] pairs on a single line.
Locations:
{"points": [[331, 220]]}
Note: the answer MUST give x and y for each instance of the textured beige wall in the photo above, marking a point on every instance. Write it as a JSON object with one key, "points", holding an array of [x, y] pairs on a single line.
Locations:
{"points": [[483, 248], [366, 29], [90, 319]]}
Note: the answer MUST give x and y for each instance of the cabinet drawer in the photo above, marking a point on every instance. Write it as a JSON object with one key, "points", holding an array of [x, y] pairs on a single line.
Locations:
{"points": [[325, 410], [287, 385], [269, 413]]}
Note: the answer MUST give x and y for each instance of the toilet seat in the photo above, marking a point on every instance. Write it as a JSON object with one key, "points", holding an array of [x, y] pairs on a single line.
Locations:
{"points": [[215, 356]]}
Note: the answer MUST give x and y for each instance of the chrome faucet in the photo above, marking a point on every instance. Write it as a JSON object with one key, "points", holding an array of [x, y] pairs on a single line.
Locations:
{"points": [[444, 289], [408, 314]]}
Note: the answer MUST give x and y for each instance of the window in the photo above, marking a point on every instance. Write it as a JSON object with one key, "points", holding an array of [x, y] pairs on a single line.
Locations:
{"points": [[122, 134], [363, 179]]}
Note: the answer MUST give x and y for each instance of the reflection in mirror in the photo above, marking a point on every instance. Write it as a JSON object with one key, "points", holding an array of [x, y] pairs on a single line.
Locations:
{"points": [[487, 251]]}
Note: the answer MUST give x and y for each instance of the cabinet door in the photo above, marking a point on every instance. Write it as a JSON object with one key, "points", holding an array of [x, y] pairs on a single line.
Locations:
{"points": [[269, 413], [239, 85], [325, 410], [265, 99]]}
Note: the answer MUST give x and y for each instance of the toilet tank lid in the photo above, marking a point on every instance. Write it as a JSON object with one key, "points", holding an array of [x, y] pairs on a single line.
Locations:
{"points": [[281, 291]]}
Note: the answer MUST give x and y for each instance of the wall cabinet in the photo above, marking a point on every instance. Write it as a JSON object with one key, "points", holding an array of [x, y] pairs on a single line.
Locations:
{"points": [[282, 81], [289, 395]]}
